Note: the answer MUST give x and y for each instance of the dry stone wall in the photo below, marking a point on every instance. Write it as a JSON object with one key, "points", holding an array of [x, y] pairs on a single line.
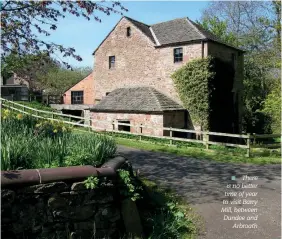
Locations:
{"points": [[66, 209], [61, 210]]}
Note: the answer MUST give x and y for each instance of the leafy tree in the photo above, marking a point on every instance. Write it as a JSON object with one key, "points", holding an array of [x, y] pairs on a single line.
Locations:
{"points": [[219, 28], [256, 27], [23, 22], [254, 24], [272, 106], [57, 80], [27, 67]]}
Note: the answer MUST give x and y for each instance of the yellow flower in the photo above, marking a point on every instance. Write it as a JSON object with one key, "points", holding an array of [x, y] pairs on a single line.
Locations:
{"points": [[6, 111], [55, 130], [19, 116]]}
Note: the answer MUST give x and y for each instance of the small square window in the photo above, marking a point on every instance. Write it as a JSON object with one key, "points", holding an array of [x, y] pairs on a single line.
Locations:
{"points": [[128, 32], [76, 97], [178, 54], [112, 61]]}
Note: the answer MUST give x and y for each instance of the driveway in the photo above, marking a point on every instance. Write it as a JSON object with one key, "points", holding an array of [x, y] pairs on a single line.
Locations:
{"points": [[203, 184]]}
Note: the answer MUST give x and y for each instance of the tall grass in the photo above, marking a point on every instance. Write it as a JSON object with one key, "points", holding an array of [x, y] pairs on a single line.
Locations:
{"points": [[29, 143]]}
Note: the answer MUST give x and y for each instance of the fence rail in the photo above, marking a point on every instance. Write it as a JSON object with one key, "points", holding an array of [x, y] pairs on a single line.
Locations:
{"points": [[248, 139], [47, 99]]}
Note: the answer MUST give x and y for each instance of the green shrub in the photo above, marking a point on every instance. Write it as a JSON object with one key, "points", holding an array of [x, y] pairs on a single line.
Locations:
{"points": [[192, 83], [31, 143], [164, 215], [205, 89], [89, 149], [48, 128]]}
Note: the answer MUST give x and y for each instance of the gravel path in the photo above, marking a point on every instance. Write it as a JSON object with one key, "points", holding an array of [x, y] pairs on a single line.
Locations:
{"points": [[203, 184]]}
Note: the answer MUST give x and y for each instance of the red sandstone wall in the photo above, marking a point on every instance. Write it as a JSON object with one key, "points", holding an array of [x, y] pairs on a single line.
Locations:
{"points": [[104, 121], [87, 86]]}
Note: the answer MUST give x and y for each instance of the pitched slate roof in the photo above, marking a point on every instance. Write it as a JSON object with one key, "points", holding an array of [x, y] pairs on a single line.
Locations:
{"points": [[136, 99], [177, 31], [183, 30]]}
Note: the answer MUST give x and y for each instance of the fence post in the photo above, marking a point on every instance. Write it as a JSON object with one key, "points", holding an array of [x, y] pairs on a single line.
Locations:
{"points": [[116, 126], [113, 125], [254, 142], [207, 138], [170, 135], [90, 125], [248, 145], [140, 137]]}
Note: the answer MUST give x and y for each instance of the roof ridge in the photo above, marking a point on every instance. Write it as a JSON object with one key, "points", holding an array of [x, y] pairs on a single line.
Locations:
{"points": [[195, 27], [153, 91], [154, 36], [169, 20], [129, 18]]}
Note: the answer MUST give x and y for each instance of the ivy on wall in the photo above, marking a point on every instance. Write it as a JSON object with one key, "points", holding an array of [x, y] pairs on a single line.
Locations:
{"points": [[205, 89], [193, 84]]}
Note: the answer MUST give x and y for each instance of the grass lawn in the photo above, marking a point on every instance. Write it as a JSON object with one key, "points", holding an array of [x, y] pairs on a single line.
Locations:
{"points": [[217, 155], [37, 105]]}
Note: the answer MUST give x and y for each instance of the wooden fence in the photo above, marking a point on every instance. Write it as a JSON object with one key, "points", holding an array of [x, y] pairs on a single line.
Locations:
{"points": [[246, 141], [44, 99]]}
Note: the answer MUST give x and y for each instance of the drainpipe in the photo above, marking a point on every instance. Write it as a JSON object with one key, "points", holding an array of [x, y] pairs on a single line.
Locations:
{"points": [[49, 175]]}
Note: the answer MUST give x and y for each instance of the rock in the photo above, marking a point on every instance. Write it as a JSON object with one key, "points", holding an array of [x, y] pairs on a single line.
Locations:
{"points": [[80, 186], [46, 188], [57, 202], [78, 213], [7, 197]]}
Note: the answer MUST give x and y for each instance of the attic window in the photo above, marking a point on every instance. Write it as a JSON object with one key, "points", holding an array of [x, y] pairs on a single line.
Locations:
{"points": [[178, 54], [128, 32], [112, 61]]}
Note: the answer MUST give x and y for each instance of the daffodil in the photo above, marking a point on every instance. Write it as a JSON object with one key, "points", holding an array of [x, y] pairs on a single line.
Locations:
{"points": [[19, 116], [6, 111]]}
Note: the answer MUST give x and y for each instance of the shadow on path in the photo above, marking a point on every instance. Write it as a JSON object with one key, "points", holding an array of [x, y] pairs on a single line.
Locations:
{"points": [[199, 181]]}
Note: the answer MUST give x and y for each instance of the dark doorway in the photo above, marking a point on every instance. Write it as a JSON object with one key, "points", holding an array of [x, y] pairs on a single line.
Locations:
{"points": [[222, 108], [124, 127]]}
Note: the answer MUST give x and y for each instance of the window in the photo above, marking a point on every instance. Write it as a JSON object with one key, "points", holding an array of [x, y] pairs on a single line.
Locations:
{"points": [[178, 54], [112, 60], [123, 127], [128, 32], [76, 97]]}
